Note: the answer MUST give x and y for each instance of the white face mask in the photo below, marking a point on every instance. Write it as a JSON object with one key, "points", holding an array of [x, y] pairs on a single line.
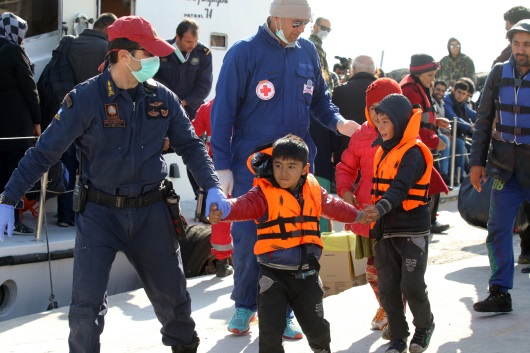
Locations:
{"points": [[279, 34], [181, 57], [322, 34]]}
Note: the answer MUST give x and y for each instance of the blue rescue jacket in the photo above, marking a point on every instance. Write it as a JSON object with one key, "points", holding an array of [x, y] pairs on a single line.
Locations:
{"points": [[264, 92], [119, 142], [514, 107]]}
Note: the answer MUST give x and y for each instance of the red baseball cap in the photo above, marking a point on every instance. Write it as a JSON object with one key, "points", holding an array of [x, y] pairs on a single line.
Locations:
{"points": [[139, 30]]}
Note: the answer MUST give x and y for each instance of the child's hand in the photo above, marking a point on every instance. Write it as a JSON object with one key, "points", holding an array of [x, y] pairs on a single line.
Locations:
{"points": [[369, 214], [215, 214], [350, 198]]}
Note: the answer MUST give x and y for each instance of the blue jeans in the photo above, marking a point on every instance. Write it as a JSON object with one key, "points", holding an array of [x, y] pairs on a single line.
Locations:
{"points": [[460, 159], [506, 198]]}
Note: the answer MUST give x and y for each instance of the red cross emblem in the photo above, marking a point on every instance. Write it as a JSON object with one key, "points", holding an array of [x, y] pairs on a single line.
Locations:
{"points": [[265, 90]]}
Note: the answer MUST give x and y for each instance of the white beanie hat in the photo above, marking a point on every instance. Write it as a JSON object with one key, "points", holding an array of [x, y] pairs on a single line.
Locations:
{"points": [[291, 9]]}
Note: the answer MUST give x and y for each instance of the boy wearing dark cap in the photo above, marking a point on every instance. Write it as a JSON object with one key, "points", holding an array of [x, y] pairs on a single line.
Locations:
{"points": [[118, 126], [402, 171]]}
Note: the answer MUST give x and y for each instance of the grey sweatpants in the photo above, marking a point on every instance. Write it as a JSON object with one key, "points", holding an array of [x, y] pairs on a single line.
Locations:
{"points": [[401, 263]]}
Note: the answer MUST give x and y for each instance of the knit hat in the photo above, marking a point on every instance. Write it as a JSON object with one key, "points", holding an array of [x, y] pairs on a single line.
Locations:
{"points": [[291, 9], [379, 89], [420, 63]]}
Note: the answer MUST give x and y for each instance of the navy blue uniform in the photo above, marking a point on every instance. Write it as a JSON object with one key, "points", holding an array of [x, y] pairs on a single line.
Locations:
{"points": [[119, 144], [190, 81]]}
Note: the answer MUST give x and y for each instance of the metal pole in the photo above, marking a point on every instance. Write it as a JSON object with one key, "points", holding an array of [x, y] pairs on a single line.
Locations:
{"points": [[453, 152], [42, 207], [382, 57]]}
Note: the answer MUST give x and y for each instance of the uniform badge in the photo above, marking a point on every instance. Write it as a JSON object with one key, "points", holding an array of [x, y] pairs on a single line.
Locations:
{"points": [[265, 90], [110, 90], [195, 61], [157, 109], [113, 116], [68, 101], [308, 87]]}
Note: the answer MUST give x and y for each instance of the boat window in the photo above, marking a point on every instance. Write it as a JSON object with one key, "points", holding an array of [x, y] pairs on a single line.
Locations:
{"points": [[218, 41], [42, 15]]}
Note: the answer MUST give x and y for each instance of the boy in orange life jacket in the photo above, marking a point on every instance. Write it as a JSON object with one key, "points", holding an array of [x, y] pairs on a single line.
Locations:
{"points": [[402, 170], [286, 203]]}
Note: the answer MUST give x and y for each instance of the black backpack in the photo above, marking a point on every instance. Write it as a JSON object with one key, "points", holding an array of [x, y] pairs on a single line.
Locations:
{"points": [[55, 82]]}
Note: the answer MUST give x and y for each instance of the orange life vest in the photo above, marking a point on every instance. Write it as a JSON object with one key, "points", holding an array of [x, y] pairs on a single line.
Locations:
{"points": [[385, 169], [288, 225]]}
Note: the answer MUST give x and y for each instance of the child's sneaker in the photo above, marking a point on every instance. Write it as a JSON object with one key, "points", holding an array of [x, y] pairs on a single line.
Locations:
{"points": [[496, 302], [292, 331], [421, 339], [385, 332], [240, 322], [380, 319], [397, 346]]}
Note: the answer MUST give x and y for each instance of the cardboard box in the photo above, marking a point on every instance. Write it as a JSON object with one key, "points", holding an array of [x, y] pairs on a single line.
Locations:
{"points": [[339, 270], [336, 263]]}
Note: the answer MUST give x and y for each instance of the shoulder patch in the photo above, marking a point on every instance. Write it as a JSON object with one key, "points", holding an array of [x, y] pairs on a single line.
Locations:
{"points": [[206, 51], [68, 101]]}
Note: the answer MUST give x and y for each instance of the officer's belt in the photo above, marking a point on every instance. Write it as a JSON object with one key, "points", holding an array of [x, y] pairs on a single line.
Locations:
{"points": [[142, 200]]}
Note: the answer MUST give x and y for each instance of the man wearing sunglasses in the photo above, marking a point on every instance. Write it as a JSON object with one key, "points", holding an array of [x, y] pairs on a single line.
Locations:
{"points": [[456, 65], [321, 29], [268, 86]]}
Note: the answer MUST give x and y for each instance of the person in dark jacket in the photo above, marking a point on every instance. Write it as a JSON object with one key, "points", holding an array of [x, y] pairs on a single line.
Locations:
{"points": [[350, 97], [511, 17], [188, 70], [118, 121], [87, 52], [504, 154], [19, 101], [403, 222]]}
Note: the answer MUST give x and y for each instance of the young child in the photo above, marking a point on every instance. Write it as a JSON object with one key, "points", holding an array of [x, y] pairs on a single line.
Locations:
{"points": [[221, 240], [359, 158], [402, 170], [286, 203]]}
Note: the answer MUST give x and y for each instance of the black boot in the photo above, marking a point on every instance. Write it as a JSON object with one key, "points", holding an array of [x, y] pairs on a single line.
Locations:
{"points": [[188, 348], [496, 302], [223, 268]]}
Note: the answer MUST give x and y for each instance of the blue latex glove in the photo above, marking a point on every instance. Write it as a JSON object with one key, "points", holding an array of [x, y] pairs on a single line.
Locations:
{"points": [[216, 195], [7, 219]]}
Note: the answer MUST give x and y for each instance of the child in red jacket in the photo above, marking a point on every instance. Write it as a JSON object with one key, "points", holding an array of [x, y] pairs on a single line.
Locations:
{"points": [[221, 240]]}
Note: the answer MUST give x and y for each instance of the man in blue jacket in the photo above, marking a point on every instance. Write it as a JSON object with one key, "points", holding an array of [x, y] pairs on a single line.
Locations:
{"points": [[268, 86], [118, 121]]}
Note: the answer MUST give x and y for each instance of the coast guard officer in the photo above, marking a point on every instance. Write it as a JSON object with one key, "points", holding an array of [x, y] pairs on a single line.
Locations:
{"points": [[188, 70], [118, 121]]}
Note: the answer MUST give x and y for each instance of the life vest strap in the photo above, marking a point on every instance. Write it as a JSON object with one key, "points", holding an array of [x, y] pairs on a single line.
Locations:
{"points": [[281, 221], [511, 108], [429, 126], [294, 234], [514, 130], [514, 82]]}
